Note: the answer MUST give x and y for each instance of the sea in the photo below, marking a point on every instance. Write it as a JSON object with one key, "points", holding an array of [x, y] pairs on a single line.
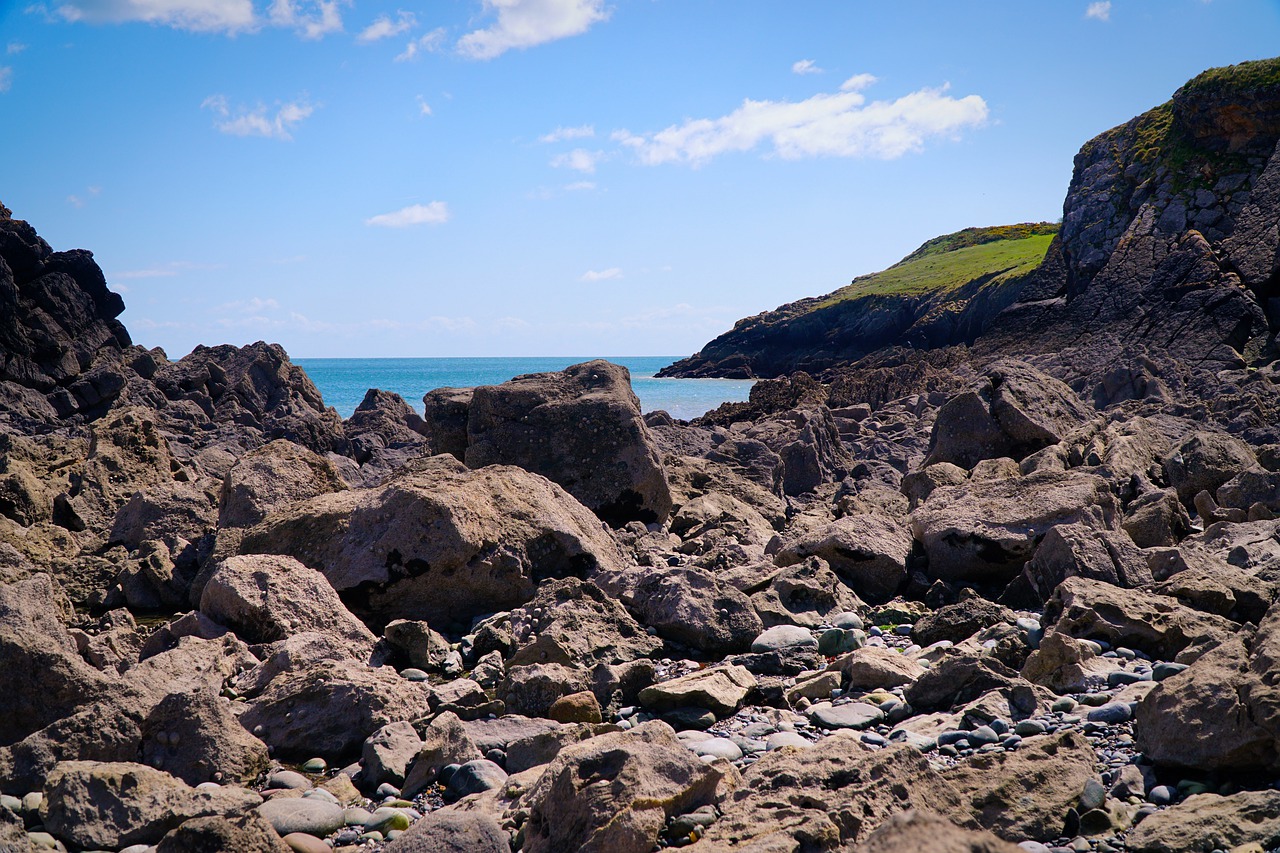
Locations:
{"points": [[344, 381]]}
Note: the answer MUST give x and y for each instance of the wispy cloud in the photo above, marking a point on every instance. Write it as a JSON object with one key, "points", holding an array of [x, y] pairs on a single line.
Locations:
{"points": [[6, 78], [526, 23], [1100, 11], [602, 275], [579, 159], [253, 305], [259, 120], [14, 48], [383, 27], [429, 43], [580, 186], [805, 66], [423, 107], [311, 19], [79, 201], [841, 124], [560, 134], [435, 213], [166, 270], [226, 16]]}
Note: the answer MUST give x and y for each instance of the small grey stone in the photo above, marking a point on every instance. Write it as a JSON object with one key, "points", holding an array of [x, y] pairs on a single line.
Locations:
{"points": [[780, 739], [312, 816], [848, 619], [717, 747], [475, 777], [783, 637], [1093, 796], [1112, 712], [854, 715], [288, 780]]}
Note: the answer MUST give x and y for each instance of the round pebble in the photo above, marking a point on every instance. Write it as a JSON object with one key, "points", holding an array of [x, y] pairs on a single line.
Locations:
{"points": [[315, 765], [780, 739], [312, 816], [1112, 712], [717, 747], [783, 637], [300, 842], [412, 674], [288, 780], [848, 619]]}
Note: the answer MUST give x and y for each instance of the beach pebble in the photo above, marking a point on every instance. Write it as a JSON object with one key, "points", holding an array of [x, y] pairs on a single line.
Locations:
{"points": [[782, 637], [309, 815]]}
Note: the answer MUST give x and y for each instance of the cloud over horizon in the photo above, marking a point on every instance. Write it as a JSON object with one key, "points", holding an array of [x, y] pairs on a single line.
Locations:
{"points": [[435, 213], [841, 124], [527, 23]]}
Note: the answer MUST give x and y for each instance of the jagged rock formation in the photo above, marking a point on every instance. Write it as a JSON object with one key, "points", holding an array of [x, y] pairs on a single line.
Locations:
{"points": [[1019, 591]]}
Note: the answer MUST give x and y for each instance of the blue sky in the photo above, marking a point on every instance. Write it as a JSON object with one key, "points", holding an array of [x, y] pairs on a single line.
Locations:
{"points": [[552, 177]]}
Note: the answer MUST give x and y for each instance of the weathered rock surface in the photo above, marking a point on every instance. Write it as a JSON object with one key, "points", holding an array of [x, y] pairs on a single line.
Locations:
{"points": [[615, 792], [1210, 820], [446, 831], [602, 453], [987, 531], [114, 805], [1026, 794], [265, 598], [272, 477], [835, 795], [868, 551], [440, 542], [914, 831]]}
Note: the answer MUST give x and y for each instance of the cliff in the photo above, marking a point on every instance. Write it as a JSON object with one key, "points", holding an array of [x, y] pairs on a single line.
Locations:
{"points": [[1167, 250]]}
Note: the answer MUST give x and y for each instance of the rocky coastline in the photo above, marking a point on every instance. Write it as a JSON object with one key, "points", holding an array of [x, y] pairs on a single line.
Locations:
{"points": [[1007, 588]]}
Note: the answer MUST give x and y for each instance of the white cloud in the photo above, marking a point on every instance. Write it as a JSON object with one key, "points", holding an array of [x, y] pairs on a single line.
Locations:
{"points": [[428, 43], [423, 107], [312, 19], [525, 23], [560, 134], [6, 78], [579, 159], [1100, 11], [435, 213], [80, 201], [258, 121], [14, 47], [256, 305], [826, 125], [383, 27], [228, 16], [805, 66], [580, 186], [168, 270], [858, 82], [610, 274]]}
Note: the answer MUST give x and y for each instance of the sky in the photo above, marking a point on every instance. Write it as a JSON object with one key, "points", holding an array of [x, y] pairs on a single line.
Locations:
{"points": [[360, 178]]}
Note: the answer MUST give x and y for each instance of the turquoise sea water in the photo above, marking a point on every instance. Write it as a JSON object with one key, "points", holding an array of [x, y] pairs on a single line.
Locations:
{"points": [[343, 381]]}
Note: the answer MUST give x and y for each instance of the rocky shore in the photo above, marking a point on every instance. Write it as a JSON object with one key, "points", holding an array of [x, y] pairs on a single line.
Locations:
{"points": [[1008, 594]]}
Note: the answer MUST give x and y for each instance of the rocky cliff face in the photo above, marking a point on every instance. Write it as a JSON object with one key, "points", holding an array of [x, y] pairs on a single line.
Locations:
{"points": [[1168, 253], [944, 293]]}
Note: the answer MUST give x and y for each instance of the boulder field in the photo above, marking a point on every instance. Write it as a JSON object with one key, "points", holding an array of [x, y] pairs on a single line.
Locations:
{"points": [[1010, 588]]}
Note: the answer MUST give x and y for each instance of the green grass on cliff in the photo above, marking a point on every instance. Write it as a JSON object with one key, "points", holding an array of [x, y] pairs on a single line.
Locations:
{"points": [[1242, 76], [946, 263]]}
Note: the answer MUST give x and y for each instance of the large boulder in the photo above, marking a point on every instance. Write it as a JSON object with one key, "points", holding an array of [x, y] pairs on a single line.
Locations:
{"points": [[616, 792], [1079, 550], [114, 805], [447, 831], [914, 831], [720, 689], [1248, 820], [691, 607], [577, 624], [330, 707], [987, 531], [1026, 794], [46, 679], [807, 593], [1204, 461], [1014, 412], [828, 797], [440, 542], [197, 737], [581, 428], [271, 477], [869, 552], [265, 598], [1156, 624]]}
